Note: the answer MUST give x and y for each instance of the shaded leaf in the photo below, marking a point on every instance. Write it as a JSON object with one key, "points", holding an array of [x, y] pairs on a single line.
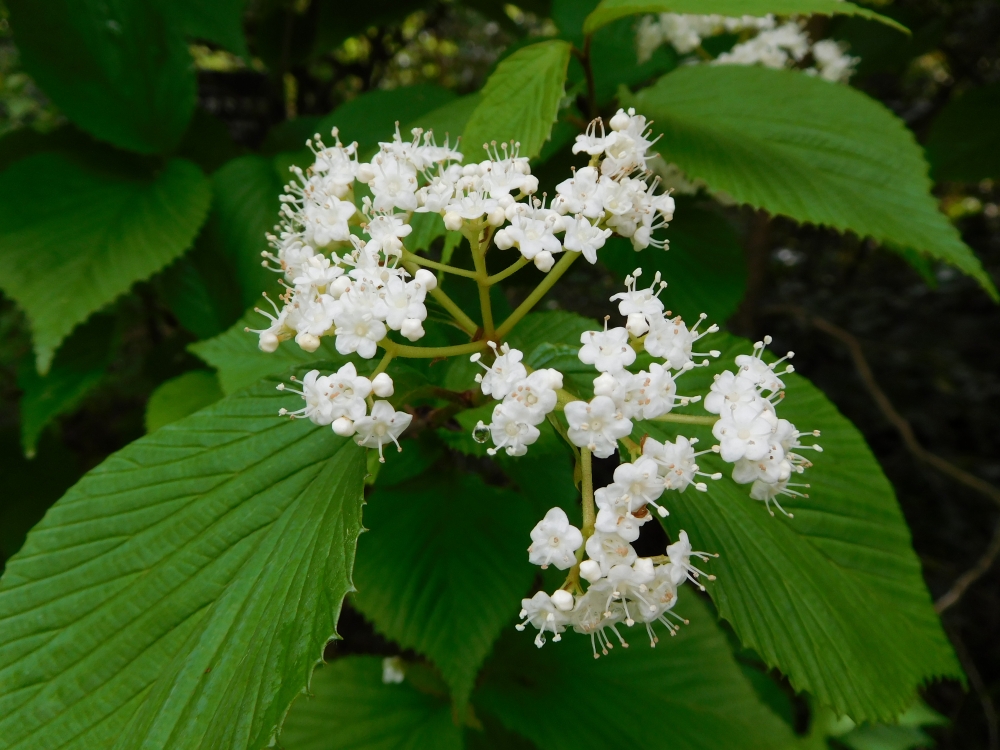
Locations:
{"points": [[611, 10], [444, 569], [219, 21], [687, 693], [115, 67], [520, 100], [181, 396], [75, 237], [181, 593], [800, 146], [964, 142], [349, 706]]}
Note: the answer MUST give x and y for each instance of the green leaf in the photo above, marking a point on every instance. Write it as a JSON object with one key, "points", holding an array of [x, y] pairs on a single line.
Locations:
{"points": [[73, 238], [182, 592], [239, 362], [77, 368], [448, 120], [245, 210], [219, 21], [611, 10], [800, 146], [181, 396], [520, 100], [833, 597], [964, 143], [704, 266], [372, 117], [444, 570], [115, 67], [350, 707], [688, 693]]}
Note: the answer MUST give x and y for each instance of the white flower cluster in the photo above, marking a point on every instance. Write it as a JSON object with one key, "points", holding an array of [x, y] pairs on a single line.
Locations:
{"points": [[341, 400], [751, 435], [772, 45], [623, 588]]}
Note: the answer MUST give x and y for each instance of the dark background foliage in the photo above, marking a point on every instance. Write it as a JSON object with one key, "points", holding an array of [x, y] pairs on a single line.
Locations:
{"points": [[930, 337]]}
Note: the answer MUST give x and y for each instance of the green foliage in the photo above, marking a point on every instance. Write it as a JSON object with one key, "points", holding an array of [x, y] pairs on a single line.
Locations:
{"points": [[611, 10], [520, 100], [688, 687], [703, 266], [964, 143], [350, 707], [214, 554], [78, 367], [219, 21], [116, 67], [798, 590], [444, 570], [75, 236], [803, 147], [181, 396]]}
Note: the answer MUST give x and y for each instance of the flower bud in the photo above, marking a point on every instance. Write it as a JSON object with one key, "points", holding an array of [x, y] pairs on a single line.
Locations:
{"points": [[544, 261], [563, 600], [426, 279], [502, 240], [343, 427], [365, 173], [268, 342], [307, 341], [340, 285], [620, 121], [412, 329], [496, 217], [637, 324], [453, 221], [590, 571], [530, 184], [382, 385]]}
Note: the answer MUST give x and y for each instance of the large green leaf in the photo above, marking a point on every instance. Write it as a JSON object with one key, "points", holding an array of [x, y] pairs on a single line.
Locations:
{"points": [[219, 21], [612, 10], [246, 206], [75, 237], [115, 67], [703, 267], [832, 597], [239, 362], [964, 142], [520, 100], [350, 707], [687, 693], [181, 396], [181, 593], [800, 146], [444, 570]]}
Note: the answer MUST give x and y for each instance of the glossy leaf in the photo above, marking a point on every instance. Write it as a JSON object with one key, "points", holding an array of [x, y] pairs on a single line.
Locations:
{"points": [[611, 10], [687, 693], [74, 237], [181, 396], [803, 147], [117, 68], [964, 142], [520, 100], [802, 591], [350, 707], [444, 570], [182, 592]]}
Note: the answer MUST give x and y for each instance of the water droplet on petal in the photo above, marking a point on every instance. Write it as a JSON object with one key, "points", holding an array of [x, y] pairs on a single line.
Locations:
{"points": [[481, 433]]}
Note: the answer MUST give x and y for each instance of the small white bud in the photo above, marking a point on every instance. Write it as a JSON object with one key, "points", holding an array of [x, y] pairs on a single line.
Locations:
{"points": [[590, 571], [502, 240], [620, 121], [268, 342], [339, 286], [453, 221], [382, 385], [496, 217], [505, 201], [544, 261], [563, 600], [426, 279], [637, 324], [343, 427], [307, 341], [530, 184], [412, 329], [365, 173]]}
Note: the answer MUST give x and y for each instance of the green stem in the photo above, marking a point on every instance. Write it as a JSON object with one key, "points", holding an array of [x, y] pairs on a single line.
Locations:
{"points": [[540, 291], [432, 352], [390, 352], [686, 419], [409, 257], [466, 323], [510, 270], [482, 279], [587, 489]]}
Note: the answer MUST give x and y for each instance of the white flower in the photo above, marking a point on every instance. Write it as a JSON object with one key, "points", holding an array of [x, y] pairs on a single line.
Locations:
{"points": [[505, 373], [676, 462], [590, 142], [731, 389], [387, 232], [640, 483], [579, 194], [537, 393], [640, 305], [755, 369], [383, 425], [745, 431], [512, 428], [394, 183], [532, 233], [471, 205], [583, 237], [626, 145], [544, 615], [382, 385], [348, 391], [767, 493], [358, 331], [325, 221], [554, 541], [597, 425], [673, 341], [316, 393], [608, 549], [680, 554], [403, 301], [655, 392], [607, 350]]}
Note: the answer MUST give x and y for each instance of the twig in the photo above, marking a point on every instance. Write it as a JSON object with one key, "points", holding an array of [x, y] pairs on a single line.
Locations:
{"points": [[905, 430]]}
